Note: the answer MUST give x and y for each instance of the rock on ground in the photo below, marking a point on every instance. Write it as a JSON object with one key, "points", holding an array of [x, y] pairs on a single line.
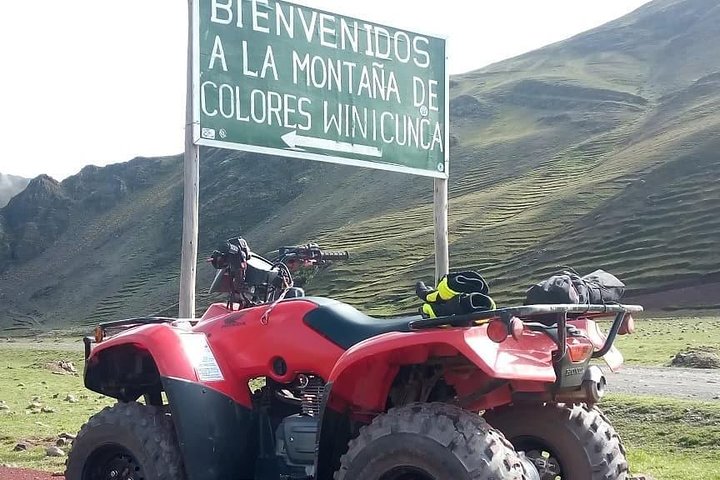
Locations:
{"points": [[54, 451], [21, 447], [697, 358]]}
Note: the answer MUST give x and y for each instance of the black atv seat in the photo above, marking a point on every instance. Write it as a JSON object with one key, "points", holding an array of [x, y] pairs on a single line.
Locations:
{"points": [[345, 326]]}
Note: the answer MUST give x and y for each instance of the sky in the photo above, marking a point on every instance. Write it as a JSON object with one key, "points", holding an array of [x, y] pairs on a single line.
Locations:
{"points": [[99, 82]]}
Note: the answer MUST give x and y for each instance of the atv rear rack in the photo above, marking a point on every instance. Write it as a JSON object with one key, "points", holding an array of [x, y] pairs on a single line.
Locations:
{"points": [[561, 312]]}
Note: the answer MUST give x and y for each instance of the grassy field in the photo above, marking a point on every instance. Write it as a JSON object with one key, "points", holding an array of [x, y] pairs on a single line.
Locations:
{"points": [[670, 439], [25, 380], [657, 340]]}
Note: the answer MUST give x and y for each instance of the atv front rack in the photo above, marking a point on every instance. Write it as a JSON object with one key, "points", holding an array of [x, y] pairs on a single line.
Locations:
{"points": [[101, 331], [560, 312]]}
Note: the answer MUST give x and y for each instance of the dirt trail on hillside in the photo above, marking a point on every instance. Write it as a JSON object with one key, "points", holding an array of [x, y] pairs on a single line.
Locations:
{"points": [[65, 345], [687, 383]]}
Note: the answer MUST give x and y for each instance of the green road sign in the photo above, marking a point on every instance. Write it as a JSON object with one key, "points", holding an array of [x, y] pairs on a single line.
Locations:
{"points": [[283, 79]]}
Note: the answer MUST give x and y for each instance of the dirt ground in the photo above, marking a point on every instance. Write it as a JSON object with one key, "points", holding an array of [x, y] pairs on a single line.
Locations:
{"points": [[687, 383], [703, 293], [18, 474]]}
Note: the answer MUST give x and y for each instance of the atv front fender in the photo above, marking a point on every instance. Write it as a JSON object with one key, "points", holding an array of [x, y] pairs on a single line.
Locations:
{"points": [[124, 362], [363, 376]]}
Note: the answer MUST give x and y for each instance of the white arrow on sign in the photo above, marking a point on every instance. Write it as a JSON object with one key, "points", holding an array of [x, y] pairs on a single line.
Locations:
{"points": [[293, 140]]}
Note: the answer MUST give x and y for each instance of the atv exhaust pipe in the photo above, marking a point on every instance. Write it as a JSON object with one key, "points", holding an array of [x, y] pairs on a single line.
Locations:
{"points": [[591, 390]]}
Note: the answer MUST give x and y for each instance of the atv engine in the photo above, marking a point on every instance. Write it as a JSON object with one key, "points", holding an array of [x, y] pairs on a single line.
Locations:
{"points": [[294, 411], [312, 389]]}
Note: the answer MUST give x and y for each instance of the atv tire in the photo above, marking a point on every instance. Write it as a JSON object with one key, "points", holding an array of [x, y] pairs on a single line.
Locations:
{"points": [[429, 442], [128, 440], [579, 438]]}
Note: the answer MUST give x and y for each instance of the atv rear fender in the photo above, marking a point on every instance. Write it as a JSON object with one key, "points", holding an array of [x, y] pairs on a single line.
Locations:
{"points": [[140, 359], [479, 370], [363, 376]]}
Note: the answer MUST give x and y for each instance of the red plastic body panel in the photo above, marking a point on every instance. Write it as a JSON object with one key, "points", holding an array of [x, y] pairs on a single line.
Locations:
{"points": [[363, 375], [164, 343], [247, 343], [243, 343]]}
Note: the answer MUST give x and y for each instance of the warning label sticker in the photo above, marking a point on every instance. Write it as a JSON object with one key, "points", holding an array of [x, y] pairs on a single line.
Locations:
{"points": [[203, 361]]}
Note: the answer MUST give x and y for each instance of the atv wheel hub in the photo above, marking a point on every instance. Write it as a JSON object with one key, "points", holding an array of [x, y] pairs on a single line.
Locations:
{"points": [[113, 462], [547, 466]]}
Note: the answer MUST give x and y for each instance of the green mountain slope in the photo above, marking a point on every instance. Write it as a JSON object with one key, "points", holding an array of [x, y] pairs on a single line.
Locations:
{"points": [[596, 152]]}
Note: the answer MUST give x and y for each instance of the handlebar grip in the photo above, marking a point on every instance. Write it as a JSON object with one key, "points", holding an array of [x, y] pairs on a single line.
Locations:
{"points": [[335, 255]]}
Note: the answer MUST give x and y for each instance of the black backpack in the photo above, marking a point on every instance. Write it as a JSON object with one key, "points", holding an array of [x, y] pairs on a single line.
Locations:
{"points": [[596, 288]]}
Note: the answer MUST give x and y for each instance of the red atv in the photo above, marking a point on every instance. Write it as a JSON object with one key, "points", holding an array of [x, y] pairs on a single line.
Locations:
{"points": [[273, 385]]}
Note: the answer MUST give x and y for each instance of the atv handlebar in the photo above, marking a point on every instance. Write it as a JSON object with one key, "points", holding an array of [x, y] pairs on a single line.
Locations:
{"points": [[335, 255], [310, 252]]}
